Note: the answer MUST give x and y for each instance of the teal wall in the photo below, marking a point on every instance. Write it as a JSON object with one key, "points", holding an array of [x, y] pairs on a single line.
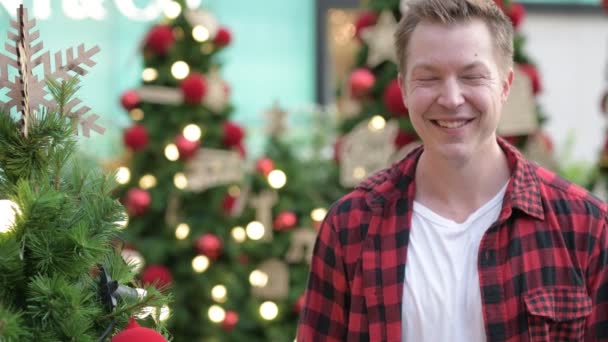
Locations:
{"points": [[271, 57]]}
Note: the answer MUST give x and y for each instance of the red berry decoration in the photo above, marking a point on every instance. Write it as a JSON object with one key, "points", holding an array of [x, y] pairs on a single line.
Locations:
{"points": [[136, 333], [264, 166], [393, 101], [285, 220], [187, 149], [532, 72], [361, 82], [232, 134], [129, 99], [137, 201], [230, 320], [222, 38], [160, 39], [209, 245], [157, 275], [517, 12], [136, 137], [366, 19], [194, 88], [228, 204]]}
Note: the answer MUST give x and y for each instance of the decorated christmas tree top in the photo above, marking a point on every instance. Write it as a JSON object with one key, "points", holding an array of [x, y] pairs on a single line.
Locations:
{"points": [[61, 276]]}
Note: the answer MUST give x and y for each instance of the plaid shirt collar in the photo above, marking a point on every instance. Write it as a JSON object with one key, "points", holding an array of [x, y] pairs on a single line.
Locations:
{"points": [[523, 191]]}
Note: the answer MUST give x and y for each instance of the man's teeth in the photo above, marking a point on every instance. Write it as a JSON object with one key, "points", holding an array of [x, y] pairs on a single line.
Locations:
{"points": [[451, 124]]}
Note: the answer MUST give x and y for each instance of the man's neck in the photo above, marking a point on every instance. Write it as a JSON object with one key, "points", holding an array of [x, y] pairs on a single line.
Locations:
{"points": [[455, 189]]}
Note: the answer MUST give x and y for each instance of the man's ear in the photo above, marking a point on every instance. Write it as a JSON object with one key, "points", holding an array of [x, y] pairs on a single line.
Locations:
{"points": [[507, 81]]}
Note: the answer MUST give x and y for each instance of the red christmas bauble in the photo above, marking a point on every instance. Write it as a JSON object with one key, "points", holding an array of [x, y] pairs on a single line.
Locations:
{"points": [[194, 88], [232, 134], [187, 149], [361, 81], [264, 166], [230, 320], [157, 275], [160, 39], [517, 12], [136, 333], [223, 37], [209, 245], [137, 201], [532, 72], [393, 99], [299, 304], [366, 19], [403, 138], [129, 99], [136, 137], [285, 220], [228, 204]]}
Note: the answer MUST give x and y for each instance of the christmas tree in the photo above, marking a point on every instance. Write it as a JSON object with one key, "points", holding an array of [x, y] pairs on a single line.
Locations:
{"points": [[375, 128], [62, 275]]}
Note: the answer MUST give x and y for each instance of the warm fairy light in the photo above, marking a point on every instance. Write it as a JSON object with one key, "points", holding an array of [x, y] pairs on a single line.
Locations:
{"points": [[200, 33], [359, 172], [207, 48], [123, 175], [149, 74], [180, 181], [147, 181], [193, 3], [216, 314], [258, 278], [165, 312], [269, 310], [141, 293], [192, 132], [200, 263], [239, 234], [136, 114], [182, 231], [255, 230], [134, 259], [123, 223], [318, 214], [8, 212], [218, 292], [180, 70], [376, 123], [234, 191], [145, 312], [277, 179], [171, 152], [171, 9]]}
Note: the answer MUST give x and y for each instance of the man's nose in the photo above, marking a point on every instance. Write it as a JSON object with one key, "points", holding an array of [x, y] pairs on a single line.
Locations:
{"points": [[450, 93]]}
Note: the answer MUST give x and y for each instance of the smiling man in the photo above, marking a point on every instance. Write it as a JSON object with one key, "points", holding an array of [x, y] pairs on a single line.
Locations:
{"points": [[463, 239]]}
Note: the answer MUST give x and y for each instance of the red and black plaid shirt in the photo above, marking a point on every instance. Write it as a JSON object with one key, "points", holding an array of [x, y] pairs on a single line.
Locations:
{"points": [[543, 265]]}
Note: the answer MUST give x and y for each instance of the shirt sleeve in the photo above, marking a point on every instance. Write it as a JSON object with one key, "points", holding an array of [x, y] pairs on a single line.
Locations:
{"points": [[597, 283], [324, 316]]}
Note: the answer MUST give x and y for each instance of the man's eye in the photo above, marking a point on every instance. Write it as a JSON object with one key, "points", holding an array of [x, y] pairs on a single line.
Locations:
{"points": [[426, 79], [472, 77]]}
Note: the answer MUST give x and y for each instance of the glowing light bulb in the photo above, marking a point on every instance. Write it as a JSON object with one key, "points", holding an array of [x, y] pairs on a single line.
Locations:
{"points": [[200, 33], [239, 234], [172, 9], [182, 231], [216, 314], [180, 70], [171, 152], [134, 259], [376, 123], [149, 74], [318, 214], [200, 263], [218, 292], [359, 172], [269, 310], [255, 230], [165, 312], [180, 181], [136, 114], [277, 179], [258, 278], [192, 132], [123, 175], [147, 181]]}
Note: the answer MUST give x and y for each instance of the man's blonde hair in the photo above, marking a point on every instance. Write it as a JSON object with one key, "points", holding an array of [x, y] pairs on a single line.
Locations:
{"points": [[456, 11]]}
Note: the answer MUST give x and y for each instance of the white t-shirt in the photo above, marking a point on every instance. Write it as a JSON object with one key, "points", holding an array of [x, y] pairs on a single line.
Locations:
{"points": [[441, 295]]}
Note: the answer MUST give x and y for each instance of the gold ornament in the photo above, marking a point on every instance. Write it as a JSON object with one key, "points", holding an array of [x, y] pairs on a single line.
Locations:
{"points": [[302, 243], [213, 167]]}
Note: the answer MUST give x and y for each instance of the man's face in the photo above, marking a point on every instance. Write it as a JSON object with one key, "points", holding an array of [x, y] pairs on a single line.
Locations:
{"points": [[453, 87]]}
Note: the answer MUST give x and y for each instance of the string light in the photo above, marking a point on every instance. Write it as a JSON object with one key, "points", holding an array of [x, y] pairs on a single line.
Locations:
{"points": [[359, 172], [219, 292], [193, 3], [147, 181], [216, 314], [133, 259], [258, 278], [255, 230], [172, 9], [192, 132], [123, 223], [200, 33], [200, 263], [136, 114], [269, 310], [180, 181], [164, 313], [180, 70], [318, 214], [123, 175], [182, 231], [149, 74], [171, 152], [277, 179], [8, 212], [238, 234], [376, 123]]}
